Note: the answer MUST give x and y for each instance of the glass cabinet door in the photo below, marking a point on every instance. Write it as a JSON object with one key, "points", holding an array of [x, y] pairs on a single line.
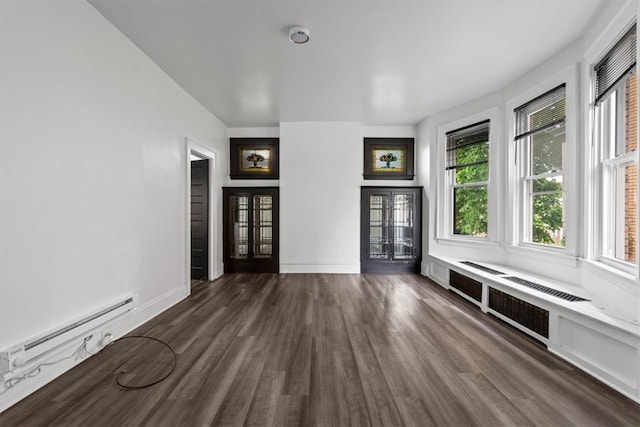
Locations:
{"points": [[403, 226], [262, 226], [239, 224], [390, 229], [250, 216], [379, 242]]}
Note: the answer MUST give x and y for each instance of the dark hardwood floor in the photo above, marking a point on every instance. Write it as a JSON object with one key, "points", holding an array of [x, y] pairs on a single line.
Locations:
{"points": [[322, 350]]}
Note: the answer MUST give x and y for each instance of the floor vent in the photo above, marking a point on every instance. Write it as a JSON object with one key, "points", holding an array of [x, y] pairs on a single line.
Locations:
{"points": [[538, 287], [481, 267], [466, 285], [528, 315]]}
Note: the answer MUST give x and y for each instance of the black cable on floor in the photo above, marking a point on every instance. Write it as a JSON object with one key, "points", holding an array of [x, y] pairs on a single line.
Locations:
{"points": [[129, 387]]}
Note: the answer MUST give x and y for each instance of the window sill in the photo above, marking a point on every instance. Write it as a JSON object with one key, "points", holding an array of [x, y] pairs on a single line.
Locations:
{"points": [[618, 277], [552, 255], [618, 266], [543, 248], [464, 242]]}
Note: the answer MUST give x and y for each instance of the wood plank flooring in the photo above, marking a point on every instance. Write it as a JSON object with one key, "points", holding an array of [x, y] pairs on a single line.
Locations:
{"points": [[326, 350]]}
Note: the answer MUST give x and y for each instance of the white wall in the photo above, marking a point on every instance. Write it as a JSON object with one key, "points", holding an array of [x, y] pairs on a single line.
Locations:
{"points": [[320, 196], [92, 172], [254, 132]]}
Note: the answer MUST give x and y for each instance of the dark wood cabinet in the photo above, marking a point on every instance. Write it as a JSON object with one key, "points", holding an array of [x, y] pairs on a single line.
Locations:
{"points": [[391, 229], [251, 227]]}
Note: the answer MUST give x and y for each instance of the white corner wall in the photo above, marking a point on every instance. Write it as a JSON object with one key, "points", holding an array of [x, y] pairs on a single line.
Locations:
{"points": [[616, 293], [92, 173], [603, 340]]}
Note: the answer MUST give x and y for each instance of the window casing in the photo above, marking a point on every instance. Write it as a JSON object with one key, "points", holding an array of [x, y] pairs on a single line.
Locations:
{"points": [[467, 167], [617, 166], [541, 156]]}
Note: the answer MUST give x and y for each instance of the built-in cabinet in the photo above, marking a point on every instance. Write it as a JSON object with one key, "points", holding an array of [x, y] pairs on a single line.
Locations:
{"points": [[251, 224], [391, 229]]}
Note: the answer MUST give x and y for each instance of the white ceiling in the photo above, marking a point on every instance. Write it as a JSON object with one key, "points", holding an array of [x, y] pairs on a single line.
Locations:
{"points": [[378, 62]]}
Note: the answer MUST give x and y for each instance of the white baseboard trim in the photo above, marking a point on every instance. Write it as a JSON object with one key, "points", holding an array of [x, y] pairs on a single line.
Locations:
{"points": [[117, 327], [597, 373], [320, 268]]}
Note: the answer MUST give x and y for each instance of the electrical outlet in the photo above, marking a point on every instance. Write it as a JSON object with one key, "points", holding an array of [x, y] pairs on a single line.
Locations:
{"points": [[11, 358]]}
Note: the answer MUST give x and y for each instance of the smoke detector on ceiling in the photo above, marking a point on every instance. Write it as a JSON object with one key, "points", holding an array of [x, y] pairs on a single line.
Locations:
{"points": [[299, 35]]}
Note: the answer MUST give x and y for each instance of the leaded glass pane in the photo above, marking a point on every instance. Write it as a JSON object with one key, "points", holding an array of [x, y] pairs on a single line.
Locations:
{"points": [[403, 222], [239, 214], [262, 226], [378, 226]]}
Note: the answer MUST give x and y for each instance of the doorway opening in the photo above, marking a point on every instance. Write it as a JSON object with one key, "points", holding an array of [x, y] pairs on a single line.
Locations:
{"points": [[199, 219], [201, 227]]}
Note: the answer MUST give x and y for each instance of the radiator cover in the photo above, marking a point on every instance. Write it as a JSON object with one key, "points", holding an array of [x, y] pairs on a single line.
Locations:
{"points": [[466, 285], [532, 317]]}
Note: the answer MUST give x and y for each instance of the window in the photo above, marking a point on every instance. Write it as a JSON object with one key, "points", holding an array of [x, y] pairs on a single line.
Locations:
{"points": [[617, 142], [540, 143], [468, 175]]}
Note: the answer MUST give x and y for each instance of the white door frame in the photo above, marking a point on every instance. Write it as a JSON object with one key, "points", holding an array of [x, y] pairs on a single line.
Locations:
{"points": [[193, 147]]}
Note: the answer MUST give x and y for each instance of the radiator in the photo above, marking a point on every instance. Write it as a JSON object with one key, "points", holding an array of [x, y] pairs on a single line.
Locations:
{"points": [[466, 285], [534, 318], [36, 347]]}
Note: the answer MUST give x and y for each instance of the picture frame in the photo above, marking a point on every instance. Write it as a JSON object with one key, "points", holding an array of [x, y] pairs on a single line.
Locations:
{"points": [[388, 158], [254, 158]]}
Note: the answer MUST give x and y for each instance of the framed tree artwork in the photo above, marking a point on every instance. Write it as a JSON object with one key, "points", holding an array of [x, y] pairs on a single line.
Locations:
{"points": [[254, 158], [388, 158]]}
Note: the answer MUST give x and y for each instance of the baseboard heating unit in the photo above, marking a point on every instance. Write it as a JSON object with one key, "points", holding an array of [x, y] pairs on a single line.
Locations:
{"points": [[532, 317], [18, 355], [466, 285]]}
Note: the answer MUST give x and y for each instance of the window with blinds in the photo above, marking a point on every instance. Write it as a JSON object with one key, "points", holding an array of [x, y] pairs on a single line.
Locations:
{"points": [[615, 65], [616, 102], [545, 111], [540, 138], [468, 167]]}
